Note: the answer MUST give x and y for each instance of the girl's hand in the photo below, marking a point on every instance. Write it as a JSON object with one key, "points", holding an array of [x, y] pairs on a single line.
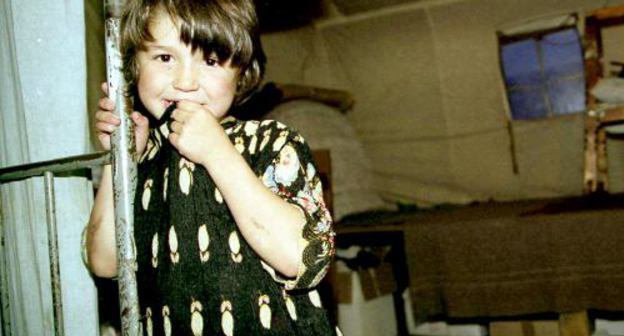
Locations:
{"points": [[107, 122], [195, 131]]}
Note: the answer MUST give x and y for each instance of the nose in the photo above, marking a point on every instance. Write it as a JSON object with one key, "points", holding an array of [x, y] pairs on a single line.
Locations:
{"points": [[186, 78]]}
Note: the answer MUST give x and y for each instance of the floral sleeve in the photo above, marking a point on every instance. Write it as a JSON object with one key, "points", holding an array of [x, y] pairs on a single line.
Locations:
{"points": [[289, 171]]}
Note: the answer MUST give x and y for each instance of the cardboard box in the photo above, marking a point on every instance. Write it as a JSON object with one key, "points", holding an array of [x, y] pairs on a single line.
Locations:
{"points": [[378, 281], [525, 328], [342, 287]]}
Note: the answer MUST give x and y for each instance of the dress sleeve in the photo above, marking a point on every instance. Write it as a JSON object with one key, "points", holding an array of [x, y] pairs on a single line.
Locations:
{"points": [[292, 175]]}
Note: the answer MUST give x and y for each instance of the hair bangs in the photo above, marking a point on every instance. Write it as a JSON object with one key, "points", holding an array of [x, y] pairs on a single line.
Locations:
{"points": [[214, 31]]}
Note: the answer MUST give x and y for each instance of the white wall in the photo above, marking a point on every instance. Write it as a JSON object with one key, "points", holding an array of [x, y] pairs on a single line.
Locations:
{"points": [[430, 102]]}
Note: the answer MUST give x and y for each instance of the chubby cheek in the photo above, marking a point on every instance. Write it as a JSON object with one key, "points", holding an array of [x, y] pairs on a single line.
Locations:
{"points": [[149, 82], [154, 107], [220, 107], [221, 96], [150, 86]]}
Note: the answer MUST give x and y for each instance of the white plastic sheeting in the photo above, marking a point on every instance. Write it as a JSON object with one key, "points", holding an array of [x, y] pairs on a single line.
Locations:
{"points": [[43, 116]]}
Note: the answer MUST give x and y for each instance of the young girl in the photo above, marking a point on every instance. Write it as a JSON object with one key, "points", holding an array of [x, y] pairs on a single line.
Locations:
{"points": [[231, 230]]}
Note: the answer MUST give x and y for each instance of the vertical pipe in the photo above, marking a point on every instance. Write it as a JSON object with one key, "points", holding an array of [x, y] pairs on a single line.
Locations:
{"points": [[5, 319], [57, 298], [124, 173]]}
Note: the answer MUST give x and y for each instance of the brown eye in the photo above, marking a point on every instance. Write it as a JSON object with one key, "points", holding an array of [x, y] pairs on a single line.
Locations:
{"points": [[165, 58], [211, 61]]}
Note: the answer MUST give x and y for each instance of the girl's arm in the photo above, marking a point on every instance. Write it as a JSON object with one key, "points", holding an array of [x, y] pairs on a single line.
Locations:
{"points": [[100, 238], [101, 245], [272, 226]]}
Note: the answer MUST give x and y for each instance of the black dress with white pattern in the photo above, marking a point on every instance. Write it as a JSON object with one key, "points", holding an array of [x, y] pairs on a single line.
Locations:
{"points": [[196, 273]]}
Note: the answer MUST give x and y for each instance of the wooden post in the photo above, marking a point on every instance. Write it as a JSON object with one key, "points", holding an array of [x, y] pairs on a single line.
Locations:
{"points": [[124, 173], [574, 324]]}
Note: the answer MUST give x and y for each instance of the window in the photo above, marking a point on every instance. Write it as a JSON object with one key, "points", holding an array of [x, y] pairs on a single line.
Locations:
{"points": [[544, 73]]}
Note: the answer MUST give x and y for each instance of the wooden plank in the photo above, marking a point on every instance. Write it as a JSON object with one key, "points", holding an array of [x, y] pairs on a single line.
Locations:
{"points": [[602, 165], [609, 13], [574, 324], [613, 116], [590, 164]]}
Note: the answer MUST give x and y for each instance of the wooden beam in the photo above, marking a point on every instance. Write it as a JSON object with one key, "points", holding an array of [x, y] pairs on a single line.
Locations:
{"points": [[590, 170], [608, 13], [613, 116]]}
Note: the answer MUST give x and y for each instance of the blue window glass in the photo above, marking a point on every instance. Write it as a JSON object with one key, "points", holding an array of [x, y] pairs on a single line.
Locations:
{"points": [[564, 71], [544, 75]]}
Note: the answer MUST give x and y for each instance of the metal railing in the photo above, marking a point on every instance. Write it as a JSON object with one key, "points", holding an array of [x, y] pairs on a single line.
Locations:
{"points": [[124, 172], [123, 160], [48, 169]]}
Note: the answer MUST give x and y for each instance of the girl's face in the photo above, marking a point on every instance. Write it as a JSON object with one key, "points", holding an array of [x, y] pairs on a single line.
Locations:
{"points": [[169, 71]]}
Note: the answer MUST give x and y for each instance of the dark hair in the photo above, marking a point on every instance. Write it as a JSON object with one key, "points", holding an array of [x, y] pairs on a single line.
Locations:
{"points": [[227, 28]]}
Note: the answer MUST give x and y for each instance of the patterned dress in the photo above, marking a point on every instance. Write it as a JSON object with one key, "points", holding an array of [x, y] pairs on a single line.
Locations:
{"points": [[196, 273]]}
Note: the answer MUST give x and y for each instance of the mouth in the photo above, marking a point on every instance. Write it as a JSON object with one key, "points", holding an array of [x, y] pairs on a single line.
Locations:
{"points": [[168, 102], [166, 115]]}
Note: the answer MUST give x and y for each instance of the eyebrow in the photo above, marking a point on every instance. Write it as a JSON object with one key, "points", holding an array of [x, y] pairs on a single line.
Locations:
{"points": [[150, 45]]}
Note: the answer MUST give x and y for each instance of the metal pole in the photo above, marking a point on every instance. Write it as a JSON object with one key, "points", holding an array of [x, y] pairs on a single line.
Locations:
{"points": [[5, 318], [124, 174], [57, 298], [62, 165]]}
